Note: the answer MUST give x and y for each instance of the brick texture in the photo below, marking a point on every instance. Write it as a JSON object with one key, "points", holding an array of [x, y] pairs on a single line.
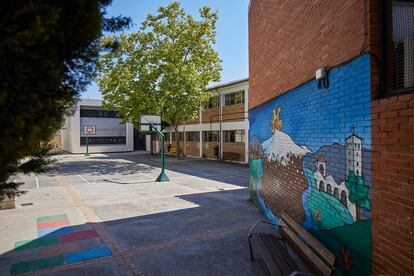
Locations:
{"points": [[288, 41], [310, 34], [192, 148], [210, 115], [208, 149], [233, 151], [290, 133], [393, 191], [234, 113]]}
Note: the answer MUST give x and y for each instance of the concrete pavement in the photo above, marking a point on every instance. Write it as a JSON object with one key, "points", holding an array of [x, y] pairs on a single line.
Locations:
{"points": [[105, 215]]}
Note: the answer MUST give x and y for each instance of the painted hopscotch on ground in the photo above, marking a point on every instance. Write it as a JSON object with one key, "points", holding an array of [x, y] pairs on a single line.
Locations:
{"points": [[58, 243]]}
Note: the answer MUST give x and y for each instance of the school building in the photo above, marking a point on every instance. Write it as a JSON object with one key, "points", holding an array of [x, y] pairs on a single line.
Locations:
{"points": [[220, 131], [103, 129]]}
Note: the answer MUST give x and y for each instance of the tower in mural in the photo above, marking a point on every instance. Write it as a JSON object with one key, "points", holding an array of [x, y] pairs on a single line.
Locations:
{"points": [[321, 165], [353, 155]]}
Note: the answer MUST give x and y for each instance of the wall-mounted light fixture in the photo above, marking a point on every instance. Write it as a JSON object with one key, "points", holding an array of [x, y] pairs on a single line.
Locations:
{"points": [[321, 75]]}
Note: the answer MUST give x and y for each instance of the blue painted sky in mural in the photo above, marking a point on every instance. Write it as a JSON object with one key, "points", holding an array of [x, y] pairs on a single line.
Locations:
{"points": [[317, 117]]}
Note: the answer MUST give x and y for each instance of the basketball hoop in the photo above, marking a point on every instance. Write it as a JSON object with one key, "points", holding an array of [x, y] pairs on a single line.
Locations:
{"points": [[89, 130]]}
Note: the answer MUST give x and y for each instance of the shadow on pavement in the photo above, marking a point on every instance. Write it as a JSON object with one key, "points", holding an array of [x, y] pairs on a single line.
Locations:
{"points": [[230, 173], [206, 235]]}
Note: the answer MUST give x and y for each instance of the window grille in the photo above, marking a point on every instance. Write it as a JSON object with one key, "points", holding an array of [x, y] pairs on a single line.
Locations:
{"points": [[233, 136], [403, 45], [234, 98], [210, 136], [193, 136]]}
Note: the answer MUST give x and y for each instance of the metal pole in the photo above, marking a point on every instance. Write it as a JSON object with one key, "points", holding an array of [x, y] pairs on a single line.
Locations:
{"points": [[162, 177], [87, 145], [220, 120]]}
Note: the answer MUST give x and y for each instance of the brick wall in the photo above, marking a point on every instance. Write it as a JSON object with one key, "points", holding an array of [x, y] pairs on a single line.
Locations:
{"points": [[233, 113], [310, 34], [210, 115], [230, 148], [310, 156], [208, 149], [192, 148], [393, 178]]}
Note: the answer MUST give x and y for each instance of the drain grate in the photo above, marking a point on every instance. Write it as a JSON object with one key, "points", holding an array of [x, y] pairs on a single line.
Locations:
{"points": [[26, 204]]}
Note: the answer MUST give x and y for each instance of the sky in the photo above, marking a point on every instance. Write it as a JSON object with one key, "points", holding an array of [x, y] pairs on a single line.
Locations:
{"points": [[231, 40]]}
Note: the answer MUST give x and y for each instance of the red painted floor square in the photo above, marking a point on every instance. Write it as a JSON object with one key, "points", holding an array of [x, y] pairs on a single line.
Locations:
{"points": [[77, 236], [52, 224]]}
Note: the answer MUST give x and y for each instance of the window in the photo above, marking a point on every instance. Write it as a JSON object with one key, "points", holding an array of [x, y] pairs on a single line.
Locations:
{"points": [[321, 186], [167, 137], [343, 198], [336, 193], [210, 136], [103, 140], [233, 136], [234, 98], [212, 102], [329, 189], [99, 113], [180, 135], [399, 68], [193, 136], [321, 169]]}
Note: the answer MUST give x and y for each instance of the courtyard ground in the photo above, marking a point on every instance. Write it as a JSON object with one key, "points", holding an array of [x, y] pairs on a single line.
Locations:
{"points": [[104, 215]]}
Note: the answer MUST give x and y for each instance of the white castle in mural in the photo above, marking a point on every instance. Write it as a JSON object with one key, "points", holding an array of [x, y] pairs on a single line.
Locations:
{"points": [[353, 160]]}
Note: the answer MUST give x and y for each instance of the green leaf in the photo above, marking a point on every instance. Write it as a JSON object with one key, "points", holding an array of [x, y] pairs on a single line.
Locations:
{"points": [[163, 67], [366, 204]]}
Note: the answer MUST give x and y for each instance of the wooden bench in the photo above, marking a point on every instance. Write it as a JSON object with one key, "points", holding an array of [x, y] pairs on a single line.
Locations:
{"points": [[275, 253]]}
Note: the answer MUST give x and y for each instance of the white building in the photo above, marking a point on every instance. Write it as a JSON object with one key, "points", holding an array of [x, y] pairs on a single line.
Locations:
{"points": [[353, 155], [109, 135], [326, 183]]}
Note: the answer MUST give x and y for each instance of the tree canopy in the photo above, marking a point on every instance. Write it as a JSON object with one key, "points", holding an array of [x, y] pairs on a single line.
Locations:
{"points": [[164, 67], [358, 192], [48, 54]]}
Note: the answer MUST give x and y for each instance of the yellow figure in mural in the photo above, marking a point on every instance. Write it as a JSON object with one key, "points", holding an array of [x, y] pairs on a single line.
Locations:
{"points": [[276, 122], [318, 215]]}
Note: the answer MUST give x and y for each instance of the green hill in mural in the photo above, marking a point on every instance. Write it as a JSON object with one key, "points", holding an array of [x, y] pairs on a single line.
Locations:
{"points": [[325, 210], [356, 238]]}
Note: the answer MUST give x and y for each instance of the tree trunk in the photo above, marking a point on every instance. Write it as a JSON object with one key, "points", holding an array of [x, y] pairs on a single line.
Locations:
{"points": [[357, 211], [151, 144], [177, 143]]}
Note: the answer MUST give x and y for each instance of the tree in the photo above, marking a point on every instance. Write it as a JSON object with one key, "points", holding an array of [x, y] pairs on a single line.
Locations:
{"points": [[48, 54], [358, 193], [163, 68]]}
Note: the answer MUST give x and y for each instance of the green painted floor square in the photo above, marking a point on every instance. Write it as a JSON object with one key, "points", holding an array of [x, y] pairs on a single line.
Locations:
{"points": [[36, 264], [52, 218], [40, 242]]}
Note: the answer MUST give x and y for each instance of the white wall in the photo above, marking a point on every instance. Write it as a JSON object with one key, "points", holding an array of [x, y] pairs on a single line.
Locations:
{"points": [[72, 131]]}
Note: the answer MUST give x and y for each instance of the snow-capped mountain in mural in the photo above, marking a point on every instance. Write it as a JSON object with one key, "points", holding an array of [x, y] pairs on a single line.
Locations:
{"points": [[280, 148]]}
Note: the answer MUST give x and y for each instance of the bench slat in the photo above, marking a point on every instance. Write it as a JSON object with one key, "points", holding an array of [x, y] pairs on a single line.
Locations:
{"points": [[258, 244], [280, 254], [313, 242], [313, 260]]}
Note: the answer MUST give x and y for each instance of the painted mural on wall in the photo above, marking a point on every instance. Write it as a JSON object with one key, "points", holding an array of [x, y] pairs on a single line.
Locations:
{"points": [[310, 157]]}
